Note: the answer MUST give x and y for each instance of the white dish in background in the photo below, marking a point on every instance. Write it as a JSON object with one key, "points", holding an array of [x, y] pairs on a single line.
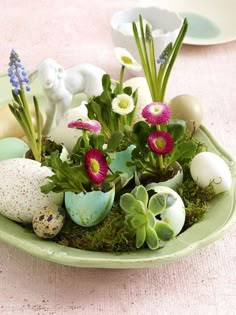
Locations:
{"points": [[165, 26], [211, 22]]}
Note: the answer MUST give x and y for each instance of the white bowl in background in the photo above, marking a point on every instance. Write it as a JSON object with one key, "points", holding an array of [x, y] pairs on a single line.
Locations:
{"points": [[165, 27]]}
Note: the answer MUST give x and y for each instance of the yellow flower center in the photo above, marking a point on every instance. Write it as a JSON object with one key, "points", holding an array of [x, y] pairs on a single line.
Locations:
{"points": [[160, 143], [157, 109], [123, 104], [127, 60], [94, 166]]}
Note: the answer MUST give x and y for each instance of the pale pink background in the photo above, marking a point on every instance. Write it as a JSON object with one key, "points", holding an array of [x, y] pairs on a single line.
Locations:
{"points": [[76, 31]]}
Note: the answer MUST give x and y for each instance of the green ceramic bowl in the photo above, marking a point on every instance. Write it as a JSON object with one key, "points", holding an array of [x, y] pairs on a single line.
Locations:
{"points": [[221, 215]]}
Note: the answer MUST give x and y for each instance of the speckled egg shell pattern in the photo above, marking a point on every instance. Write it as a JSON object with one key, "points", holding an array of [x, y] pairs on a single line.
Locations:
{"points": [[48, 222], [20, 194]]}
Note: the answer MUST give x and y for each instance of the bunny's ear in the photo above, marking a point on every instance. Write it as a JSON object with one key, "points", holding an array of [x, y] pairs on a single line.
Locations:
{"points": [[33, 75], [60, 71]]}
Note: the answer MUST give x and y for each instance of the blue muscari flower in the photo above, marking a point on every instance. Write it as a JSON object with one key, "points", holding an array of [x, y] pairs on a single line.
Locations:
{"points": [[17, 73], [165, 54]]}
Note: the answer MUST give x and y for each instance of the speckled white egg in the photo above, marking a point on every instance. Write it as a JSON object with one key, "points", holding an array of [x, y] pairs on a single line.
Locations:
{"points": [[208, 167], [144, 96], [48, 222], [21, 196], [174, 214], [62, 134]]}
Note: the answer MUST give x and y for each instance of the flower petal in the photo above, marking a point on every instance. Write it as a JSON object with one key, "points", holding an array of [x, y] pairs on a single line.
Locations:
{"points": [[160, 142], [126, 59], [96, 165], [156, 113], [91, 125], [123, 104]]}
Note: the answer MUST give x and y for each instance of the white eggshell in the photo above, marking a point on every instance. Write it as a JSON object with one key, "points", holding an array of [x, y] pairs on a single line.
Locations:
{"points": [[174, 214], [62, 134], [208, 167], [144, 96], [20, 182]]}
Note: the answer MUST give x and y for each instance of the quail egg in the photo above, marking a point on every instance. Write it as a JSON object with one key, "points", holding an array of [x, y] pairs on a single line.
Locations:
{"points": [[49, 221]]}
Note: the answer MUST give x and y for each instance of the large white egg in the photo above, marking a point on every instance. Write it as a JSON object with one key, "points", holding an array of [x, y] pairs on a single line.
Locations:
{"points": [[20, 182], [208, 167], [62, 134], [144, 96], [174, 214]]}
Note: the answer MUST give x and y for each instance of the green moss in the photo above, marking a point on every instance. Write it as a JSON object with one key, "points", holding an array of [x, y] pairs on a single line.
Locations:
{"points": [[196, 199], [112, 235]]}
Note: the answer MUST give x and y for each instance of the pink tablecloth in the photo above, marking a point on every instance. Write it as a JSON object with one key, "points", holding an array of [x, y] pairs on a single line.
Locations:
{"points": [[75, 31]]}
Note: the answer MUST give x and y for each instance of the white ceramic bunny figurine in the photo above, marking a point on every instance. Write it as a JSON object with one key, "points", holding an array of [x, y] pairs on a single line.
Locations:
{"points": [[60, 85]]}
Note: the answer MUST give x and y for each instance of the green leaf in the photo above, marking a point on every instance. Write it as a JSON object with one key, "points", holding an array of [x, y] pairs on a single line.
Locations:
{"points": [[97, 141], [128, 90], [157, 203], [114, 141], [176, 128], [140, 236], [182, 151], [141, 194], [164, 231], [128, 203], [151, 219], [138, 220], [106, 82], [151, 238]]}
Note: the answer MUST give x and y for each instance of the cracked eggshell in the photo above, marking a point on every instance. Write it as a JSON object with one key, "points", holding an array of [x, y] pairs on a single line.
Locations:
{"points": [[144, 96], [174, 214], [208, 167], [20, 182], [62, 134]]}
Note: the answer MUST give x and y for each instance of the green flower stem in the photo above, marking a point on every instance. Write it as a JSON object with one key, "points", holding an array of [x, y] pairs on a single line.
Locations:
{"points": [[160, 157], [122, 71], [39, 124], [142, 58], [176, 47]]}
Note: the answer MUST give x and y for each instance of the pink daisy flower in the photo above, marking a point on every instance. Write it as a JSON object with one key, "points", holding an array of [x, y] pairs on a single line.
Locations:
{"points": [[160, 142], [96, 165], [91, 125], [156, 113]]}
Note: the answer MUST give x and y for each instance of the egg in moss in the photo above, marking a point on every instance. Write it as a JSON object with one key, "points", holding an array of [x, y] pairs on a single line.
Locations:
{"points": [[187, 108], [48, 222]]}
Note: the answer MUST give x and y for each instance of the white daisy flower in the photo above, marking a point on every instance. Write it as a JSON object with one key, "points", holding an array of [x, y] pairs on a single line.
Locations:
{"points": [[123, 104], [126, 59]]}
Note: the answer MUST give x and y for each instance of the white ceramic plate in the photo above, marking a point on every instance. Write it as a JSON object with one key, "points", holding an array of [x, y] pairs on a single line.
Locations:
{"points": [[211, 22]]}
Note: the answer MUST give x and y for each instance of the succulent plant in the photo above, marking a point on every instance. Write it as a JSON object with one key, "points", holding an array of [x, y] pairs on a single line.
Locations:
{"points": [[141, 217]]}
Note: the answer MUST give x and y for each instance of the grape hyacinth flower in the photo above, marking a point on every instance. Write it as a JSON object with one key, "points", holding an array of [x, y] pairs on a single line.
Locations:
{"points": [[160, 142], [123, 104], [96, 165], [17, 73], [91, 125], [156, 113], [162, 59], [20, 107]]}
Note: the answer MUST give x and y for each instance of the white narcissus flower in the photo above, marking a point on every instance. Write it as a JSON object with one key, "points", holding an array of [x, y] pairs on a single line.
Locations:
{"points": [[123, 104], [126, 59]]}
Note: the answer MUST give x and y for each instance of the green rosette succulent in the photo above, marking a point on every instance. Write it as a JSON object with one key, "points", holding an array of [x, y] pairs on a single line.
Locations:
{"points": [[142, 215]]}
